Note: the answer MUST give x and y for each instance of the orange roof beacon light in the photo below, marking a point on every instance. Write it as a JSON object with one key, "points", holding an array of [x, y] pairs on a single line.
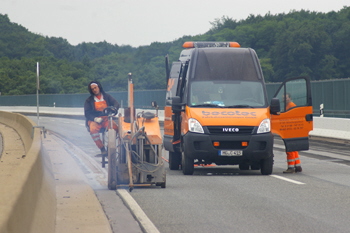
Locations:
{"points": [[188, 44], [234, 44], [204, 44]]}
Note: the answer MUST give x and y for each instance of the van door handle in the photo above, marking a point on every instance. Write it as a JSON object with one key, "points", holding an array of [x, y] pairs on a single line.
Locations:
{"points": [[309, 117]]}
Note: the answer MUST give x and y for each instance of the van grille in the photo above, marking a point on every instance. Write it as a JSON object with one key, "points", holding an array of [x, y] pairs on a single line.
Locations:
{"points": [[231, 130]]}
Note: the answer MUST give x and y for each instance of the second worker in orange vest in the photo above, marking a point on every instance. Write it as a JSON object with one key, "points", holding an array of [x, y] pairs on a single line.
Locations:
{"points": [[293, 160]]}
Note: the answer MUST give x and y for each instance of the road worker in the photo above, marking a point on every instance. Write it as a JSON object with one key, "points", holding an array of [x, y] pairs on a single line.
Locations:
{"points": [[93, 111], [293, 160]]}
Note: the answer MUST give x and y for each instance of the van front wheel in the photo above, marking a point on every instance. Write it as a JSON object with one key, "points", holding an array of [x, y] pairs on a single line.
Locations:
{"points": [[267, 165], [187, 165]]}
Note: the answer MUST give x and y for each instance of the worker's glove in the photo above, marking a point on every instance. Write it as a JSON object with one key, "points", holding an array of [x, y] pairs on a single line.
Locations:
{"points": [[98, 120]]}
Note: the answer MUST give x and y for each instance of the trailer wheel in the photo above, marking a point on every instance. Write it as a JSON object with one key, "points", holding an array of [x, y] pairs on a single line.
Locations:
{"points": [[163, 185], [112, 157], [187, 165], [267, 165], [174, 160]]}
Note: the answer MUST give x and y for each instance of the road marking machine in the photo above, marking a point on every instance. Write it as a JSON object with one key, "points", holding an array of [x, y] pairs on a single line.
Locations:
{"points": [[135, 151]]}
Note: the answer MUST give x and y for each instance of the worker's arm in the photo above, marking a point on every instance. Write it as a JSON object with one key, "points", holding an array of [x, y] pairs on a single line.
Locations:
{"points": [[112, 102]]}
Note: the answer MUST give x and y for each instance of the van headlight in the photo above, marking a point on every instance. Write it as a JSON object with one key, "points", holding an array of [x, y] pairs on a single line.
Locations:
{"points": [[265, 126], [194, 126]]}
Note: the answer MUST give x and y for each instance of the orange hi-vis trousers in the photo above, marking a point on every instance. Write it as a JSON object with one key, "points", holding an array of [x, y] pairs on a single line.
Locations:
{"points": [[95, 129], [293, 159]]}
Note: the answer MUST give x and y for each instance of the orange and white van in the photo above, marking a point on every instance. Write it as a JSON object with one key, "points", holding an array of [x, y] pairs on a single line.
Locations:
{"points": [[217, 110]]}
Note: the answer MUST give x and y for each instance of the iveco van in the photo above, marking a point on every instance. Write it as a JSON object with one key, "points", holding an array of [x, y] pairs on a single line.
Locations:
{"points": [[217, 110]]}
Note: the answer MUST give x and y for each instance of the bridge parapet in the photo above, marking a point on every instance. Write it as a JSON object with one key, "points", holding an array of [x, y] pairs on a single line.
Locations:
{"points": [[27, 199]]}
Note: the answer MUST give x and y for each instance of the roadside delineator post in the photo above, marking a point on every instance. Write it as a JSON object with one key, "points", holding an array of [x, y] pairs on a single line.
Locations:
{"points": [[321, 110]]}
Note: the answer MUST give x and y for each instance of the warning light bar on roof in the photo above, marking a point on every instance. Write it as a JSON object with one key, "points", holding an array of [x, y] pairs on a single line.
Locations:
{"points": [[205, 44]]}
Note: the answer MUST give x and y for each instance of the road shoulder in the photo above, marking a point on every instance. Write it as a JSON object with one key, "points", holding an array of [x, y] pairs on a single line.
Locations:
{"points": [[78, 209]]}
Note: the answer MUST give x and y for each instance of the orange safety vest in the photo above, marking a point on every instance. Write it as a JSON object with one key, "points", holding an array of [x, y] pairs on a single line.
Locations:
{"points": [[290, 105], [100, 105]]}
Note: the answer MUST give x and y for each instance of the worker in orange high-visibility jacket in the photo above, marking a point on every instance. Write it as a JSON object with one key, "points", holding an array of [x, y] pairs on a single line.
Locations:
{"points": [[93, 111], [293, 160]]}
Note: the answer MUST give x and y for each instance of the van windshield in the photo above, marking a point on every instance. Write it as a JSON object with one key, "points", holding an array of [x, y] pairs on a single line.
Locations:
{"points": [[227, 94]]}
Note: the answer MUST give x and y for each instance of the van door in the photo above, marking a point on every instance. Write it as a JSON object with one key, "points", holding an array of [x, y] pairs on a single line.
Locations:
{"points": [[168, 114], [294, 121]]}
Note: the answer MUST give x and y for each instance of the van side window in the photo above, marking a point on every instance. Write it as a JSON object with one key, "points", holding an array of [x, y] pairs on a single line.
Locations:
{"points": [[172, 82], [293, 94]]}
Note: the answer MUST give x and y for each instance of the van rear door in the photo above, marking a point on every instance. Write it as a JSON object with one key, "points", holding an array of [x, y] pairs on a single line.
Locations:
{"points": [[294, 121]]}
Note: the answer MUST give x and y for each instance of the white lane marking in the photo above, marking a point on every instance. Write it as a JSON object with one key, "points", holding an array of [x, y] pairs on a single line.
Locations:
{"points": [[146, 224], [100, 173], [286, 179]]}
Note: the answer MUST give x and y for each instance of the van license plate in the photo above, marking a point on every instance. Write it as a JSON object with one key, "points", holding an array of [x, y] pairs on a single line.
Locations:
{"points": [[230, 152]]}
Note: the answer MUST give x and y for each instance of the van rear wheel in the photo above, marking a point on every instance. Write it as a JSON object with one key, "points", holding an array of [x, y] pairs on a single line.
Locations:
{"points": [[174, 160], [255, 166], [243, 166], [267, 165], [187, 165]]}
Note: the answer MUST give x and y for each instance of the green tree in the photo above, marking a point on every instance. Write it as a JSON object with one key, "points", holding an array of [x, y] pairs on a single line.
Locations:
{"points": [[288, 45]]}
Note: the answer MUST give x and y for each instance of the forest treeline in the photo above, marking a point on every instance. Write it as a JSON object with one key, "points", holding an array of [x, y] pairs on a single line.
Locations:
{"points": [[288, 45]]}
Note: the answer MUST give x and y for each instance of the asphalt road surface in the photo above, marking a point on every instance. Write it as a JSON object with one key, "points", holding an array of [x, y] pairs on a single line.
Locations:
{"points": [[225, 199]]}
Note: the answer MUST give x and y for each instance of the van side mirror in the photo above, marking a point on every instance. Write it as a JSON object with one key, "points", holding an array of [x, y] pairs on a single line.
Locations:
{"points": [[176, 105], [275, 107]]}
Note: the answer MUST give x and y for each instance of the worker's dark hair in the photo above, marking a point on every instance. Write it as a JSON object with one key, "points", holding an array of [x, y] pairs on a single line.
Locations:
{"points": [[99, 86]]}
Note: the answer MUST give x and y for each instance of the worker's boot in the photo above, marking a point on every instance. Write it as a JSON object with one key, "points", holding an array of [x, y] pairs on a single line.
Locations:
{"points": [[289, 170], [298, 169], [103, 152]]}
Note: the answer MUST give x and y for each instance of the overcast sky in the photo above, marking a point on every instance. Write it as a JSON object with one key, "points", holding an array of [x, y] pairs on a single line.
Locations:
{"points": [[141, 22]]}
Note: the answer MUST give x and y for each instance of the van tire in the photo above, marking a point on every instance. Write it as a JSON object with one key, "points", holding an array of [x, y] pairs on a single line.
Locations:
{"points": [[174, 160], [187, 165], [267, 166]]}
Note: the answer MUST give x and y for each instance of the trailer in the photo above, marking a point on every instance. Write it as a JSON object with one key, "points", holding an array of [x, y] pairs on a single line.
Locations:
{"points": [[135, 151]]}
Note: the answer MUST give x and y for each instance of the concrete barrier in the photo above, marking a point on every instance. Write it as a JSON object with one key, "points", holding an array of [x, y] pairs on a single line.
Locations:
{"points": [[331, 127], [27, 197]]}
